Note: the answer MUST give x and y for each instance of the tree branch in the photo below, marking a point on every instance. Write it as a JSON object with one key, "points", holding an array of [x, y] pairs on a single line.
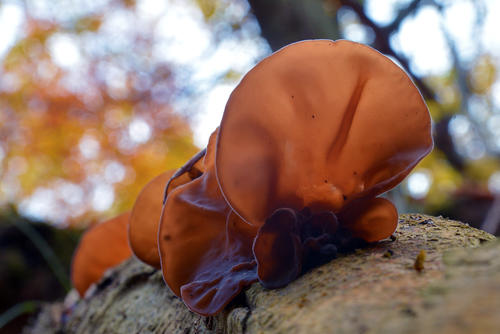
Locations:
{"points": [[382, 43], [402, 14]]}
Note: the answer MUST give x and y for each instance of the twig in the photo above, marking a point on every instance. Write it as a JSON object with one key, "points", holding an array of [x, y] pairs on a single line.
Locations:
{"points": [[492, 219], [462, 83], [185, 168], [46, 252], [402, 14], [17, 310]]}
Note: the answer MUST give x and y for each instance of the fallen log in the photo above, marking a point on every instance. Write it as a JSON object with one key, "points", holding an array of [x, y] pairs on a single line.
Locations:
{"points": [[436, 275]]}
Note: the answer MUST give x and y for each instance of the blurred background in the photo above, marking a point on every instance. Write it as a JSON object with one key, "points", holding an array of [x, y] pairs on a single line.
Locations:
{"points": [[98, 97]]}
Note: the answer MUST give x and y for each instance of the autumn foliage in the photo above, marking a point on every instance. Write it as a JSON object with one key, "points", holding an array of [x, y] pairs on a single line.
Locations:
{"points": [[102, 124]]}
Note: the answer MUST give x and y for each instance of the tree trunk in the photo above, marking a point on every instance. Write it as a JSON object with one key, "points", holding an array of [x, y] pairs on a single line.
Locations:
{"points": [[286, 21], [376, 290]]}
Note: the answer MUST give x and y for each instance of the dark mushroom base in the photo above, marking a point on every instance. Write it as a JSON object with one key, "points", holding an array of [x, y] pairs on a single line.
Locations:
{"points": [[292, 242]]}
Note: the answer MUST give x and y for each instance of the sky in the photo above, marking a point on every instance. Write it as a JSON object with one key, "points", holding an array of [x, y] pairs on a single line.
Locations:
{"points": [[184, 39], [419, 38]]}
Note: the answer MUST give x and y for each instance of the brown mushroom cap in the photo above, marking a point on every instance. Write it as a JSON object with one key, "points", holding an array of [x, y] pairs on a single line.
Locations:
{"points": [[103, 246], [205, 249], [145, 219], [362, 215], [145, 216], [319, 124], [278, 249]]}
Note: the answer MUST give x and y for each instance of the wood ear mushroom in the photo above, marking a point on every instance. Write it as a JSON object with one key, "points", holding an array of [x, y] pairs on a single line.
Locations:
{"points": [[309, 139]]}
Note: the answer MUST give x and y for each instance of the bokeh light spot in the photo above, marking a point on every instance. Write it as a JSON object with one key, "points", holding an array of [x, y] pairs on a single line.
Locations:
{"points": [[419, 183], [114, 172], [103, 197], [139, 130], [11, 19], [494, 183], [89, 147], [64, 50]]}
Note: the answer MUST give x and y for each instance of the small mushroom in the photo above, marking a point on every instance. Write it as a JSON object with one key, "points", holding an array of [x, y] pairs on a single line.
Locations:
{"points": [[371, 219], [205, 249], [278, 249], [145, 216], [288, 240], [103, 246]]}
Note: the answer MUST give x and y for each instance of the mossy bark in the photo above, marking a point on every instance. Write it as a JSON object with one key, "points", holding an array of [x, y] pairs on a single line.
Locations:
{"points": [[374, 290]]}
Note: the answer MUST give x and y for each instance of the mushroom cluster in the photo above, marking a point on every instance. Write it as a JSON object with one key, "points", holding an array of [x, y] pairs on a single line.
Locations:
{"points": [[309, 139]]}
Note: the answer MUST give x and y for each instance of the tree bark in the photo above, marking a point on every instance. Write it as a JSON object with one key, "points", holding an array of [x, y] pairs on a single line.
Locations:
{"points": [[375, 289]]}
